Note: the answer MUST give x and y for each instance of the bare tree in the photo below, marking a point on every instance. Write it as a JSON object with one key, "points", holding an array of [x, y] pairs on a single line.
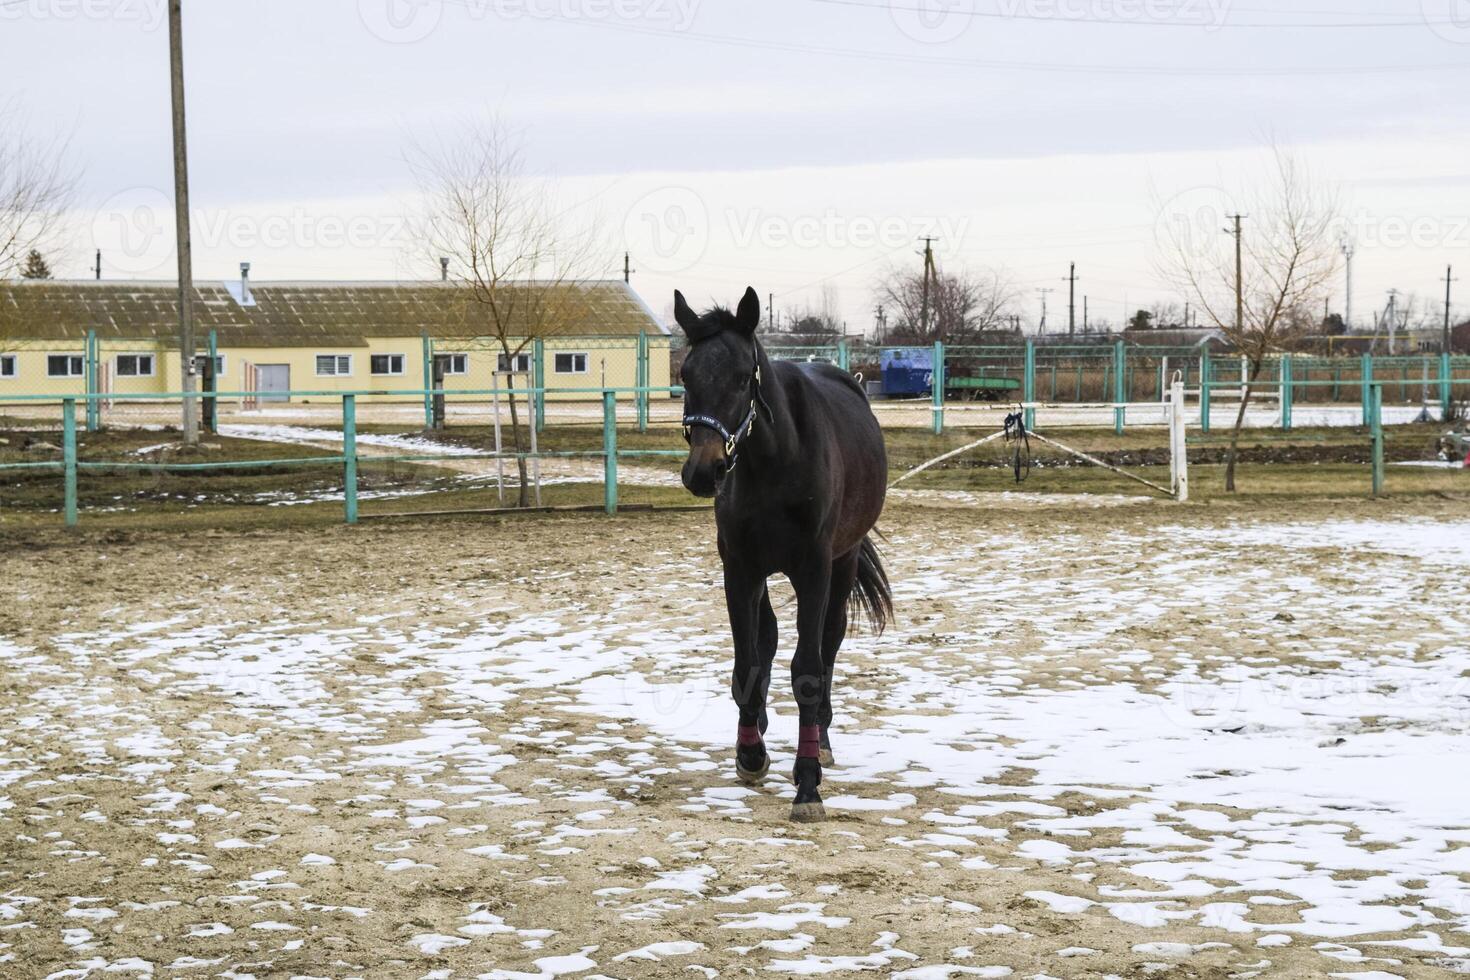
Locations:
{"points": [[37, 185], [962, 305], [516, 260], [1288, 254]]}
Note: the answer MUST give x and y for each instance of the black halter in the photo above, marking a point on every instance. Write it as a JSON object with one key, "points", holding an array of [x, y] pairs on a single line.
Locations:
{"points": [[733, 440]]}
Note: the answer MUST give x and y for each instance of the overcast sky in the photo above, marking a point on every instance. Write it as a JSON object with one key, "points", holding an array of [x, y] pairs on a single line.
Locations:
{"points": [[787, 144]]}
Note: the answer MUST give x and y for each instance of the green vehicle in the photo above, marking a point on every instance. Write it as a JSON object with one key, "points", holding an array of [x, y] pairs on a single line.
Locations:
{"points": [[970, 389]]}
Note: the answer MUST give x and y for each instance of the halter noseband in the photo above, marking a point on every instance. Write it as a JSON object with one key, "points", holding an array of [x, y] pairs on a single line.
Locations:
{"points": [[732, 439]]}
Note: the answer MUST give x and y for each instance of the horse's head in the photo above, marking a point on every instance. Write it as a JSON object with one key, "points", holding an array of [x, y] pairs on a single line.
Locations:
{"points": [[721, 383]]}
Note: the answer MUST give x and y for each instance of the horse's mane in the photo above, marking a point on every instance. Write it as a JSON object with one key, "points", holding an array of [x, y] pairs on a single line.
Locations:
{"points": [[716, 320]]}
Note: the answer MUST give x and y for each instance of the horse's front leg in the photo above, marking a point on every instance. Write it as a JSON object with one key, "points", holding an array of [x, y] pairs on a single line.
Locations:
{"points": [[743, 595], [808, 674]]}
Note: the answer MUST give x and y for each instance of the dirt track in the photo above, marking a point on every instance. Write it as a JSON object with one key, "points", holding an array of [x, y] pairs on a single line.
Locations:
{"points": [[1137, 741]]}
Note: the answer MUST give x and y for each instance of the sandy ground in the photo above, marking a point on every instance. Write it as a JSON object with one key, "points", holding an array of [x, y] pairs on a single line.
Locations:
{"points": [[1133, 740]]}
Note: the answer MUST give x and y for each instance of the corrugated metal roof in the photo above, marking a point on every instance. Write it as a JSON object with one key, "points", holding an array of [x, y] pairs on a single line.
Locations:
{"points": [[306, 314]]}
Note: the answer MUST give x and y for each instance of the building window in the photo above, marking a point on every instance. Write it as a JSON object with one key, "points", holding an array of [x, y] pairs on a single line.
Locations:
{"points": [[571, 364], [219, 364], [7, 365], [522, 363], [454, 363], [386, 363], [64, 366], [333, 365], [135, 365]]}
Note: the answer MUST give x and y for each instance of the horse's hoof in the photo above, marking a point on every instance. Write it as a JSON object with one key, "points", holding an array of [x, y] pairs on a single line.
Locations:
{"points": [[752, 777], [825, 758], [812, 812]]}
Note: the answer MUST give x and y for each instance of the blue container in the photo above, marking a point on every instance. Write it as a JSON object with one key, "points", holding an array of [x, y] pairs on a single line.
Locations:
{"points": [[907, 371]]}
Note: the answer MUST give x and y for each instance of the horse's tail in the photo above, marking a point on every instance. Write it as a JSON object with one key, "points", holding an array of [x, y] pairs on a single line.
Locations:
{"points": [[872, 597]]}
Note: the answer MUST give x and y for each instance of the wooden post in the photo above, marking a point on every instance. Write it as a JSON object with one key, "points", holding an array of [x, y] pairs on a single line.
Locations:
{"points": [[610, 452], [436, 420], [69, 459], [349, 457]]}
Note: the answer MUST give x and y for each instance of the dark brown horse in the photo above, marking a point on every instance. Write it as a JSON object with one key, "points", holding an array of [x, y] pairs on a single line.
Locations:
{"points": [[794, 458]]}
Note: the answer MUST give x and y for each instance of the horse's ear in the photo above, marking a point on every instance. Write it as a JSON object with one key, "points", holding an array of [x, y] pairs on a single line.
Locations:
{"points": [[687, 319], [748, 314]]}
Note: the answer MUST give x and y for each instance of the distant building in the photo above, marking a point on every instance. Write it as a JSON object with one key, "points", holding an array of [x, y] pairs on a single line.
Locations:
{"points": [[316, 336]]}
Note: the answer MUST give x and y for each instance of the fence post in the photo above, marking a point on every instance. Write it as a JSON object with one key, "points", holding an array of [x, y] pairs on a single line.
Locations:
{"points": [[1444, 386], [428, 381], [1205, 374], [69, 459], [1375, 412], [1028, 389], [349, 457], [610, 452], [842, 356], [94, 406], [1286, 392], [1365, 372], [538, 382], [1120, 391], [643, 376], [937, 383]]}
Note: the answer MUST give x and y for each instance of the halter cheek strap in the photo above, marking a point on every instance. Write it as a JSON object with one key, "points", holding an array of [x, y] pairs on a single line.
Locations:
{"points": [[732, 440]]}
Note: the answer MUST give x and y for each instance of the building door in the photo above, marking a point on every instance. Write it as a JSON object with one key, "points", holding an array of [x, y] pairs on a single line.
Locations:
{"points": [[274, 378]]}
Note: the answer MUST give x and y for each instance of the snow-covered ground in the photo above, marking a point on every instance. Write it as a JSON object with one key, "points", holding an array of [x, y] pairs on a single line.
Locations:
{"points": [[1120, 742]]}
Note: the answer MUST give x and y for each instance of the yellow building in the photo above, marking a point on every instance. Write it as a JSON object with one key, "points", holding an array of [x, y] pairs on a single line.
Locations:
{"points": [[303, 337]]}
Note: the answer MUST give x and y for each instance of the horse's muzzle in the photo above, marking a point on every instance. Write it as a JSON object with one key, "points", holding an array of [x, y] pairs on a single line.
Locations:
{"points": [[705, 468]]}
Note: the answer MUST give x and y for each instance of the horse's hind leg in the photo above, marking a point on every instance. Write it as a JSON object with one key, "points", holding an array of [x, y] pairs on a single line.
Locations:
{"points": [[844, 576]]}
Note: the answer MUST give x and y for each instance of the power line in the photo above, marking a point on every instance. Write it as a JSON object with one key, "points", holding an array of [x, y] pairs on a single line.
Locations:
{"points": [[985, 64], [1115, 22]]}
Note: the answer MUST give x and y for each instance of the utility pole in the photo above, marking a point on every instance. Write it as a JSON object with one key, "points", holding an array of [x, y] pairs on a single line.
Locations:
{"points": [[1444, 343], [928, 270], [181, 221], [1072, 300], [1392, 316], [771, 312], [1239, 275], [99, 264], [1347, 305], [1186, 314], [627, 269], [1043, 291], [1085, 327], [881, 321]]}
